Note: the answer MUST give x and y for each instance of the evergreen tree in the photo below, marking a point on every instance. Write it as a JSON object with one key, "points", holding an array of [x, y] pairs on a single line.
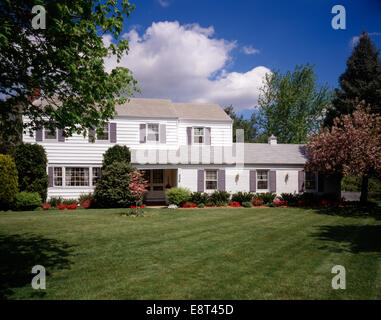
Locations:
{"points": [[361, 79]]}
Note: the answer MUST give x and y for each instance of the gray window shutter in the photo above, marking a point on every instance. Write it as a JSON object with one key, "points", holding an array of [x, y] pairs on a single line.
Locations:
{"points": [[163, 133], [200, 180], [91, 133], [272, 178], [113, 132], [39, 135], [142, 133], [320, 182], [208, 137], [50, 174], [253, 181], [189, 135], [301, 181], [221, 180], [61, 138]]}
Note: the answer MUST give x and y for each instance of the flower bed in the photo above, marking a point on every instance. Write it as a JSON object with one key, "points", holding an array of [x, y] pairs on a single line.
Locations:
{"points": [[234, 204]]}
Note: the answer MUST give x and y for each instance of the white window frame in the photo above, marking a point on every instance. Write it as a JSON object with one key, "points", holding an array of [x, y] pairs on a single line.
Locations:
{"points": [[194, 135], [92, 175], [108, 134], [258, 180], [54, 177], [44, 131], [212, 180], [152, 132], [63, 169], [305, 181]]}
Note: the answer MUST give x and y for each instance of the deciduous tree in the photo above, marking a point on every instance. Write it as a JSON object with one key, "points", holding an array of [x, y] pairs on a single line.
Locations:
{"points": [[61, 65], [351, 147]]}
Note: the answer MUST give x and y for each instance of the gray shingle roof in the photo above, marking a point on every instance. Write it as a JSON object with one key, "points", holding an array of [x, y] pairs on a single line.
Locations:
{"points": [[264, 153], [162, 108]]}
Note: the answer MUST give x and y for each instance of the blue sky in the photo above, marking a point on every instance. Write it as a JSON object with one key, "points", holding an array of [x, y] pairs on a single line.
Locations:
{"points": [[266, 35]]}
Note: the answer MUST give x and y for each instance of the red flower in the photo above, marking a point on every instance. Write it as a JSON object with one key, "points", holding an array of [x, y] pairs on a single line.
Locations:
{"points": [[46, 206], [234, 204]]}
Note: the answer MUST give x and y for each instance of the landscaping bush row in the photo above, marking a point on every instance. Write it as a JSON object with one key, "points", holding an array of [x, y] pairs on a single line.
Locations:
{"points": [[181, 196]]}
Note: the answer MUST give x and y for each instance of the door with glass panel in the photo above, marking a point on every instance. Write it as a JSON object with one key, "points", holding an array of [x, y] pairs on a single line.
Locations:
{"points": [[155, 181]]}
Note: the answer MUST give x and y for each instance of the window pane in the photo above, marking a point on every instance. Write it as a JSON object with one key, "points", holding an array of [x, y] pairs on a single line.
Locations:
{"points": [[211, 185], [199, 131], [153, 127], [211, 175], [153, 137], [77, 177], [57, 177], [105, 134], [153, 132], [262, 184], [96, 175], [262, 175], [50, 135]]}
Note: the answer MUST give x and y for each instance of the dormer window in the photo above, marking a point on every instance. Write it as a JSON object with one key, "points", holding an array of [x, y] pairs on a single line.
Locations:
{"points": [[105, 135], [50, 135], [153, 132], [198, 135]]}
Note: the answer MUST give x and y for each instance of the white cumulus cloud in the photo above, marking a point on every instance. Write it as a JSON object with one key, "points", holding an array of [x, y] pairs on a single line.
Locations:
{"points": [[250, 50], [186, 63]]}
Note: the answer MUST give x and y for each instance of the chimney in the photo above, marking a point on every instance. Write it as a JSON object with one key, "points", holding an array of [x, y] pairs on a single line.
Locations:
{"points": [[272, 140]]}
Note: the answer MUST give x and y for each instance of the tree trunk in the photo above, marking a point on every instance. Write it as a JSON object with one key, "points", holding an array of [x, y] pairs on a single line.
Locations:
{"points": [[364, 189]]}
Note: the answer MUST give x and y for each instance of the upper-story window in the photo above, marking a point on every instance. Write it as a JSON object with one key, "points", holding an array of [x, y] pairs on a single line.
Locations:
{"points": [[262, 179], [310, 181], [198, 135], [106, 134], [152, 132], [50, 135]]}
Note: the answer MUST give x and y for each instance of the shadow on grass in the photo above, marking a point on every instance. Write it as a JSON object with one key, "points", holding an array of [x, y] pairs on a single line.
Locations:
{"points": [[19, 253], [352, 212], [352, 238]]}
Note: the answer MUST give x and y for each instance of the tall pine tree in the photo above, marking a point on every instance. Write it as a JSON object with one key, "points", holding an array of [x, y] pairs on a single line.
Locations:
{"points": [[361, 80]]}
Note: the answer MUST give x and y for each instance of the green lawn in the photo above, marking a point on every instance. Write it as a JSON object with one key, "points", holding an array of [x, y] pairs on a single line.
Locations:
{"points": [[269, 253]]}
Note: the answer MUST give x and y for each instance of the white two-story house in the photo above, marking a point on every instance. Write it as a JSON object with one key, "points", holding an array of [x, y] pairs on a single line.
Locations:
{"points": [[177, 144]]}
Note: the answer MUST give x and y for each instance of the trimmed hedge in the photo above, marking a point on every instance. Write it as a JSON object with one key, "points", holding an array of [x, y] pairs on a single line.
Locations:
{"points": [[8, 181], [178, 196], [116, 153], [27, 201], [31, 162], [112, 190]]}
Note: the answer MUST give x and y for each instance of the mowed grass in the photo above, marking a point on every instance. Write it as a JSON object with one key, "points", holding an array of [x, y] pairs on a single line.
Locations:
{"points": [[269, 253]]}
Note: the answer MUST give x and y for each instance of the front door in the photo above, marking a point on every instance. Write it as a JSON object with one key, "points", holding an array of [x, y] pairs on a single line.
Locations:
{"points": [[156, 189]]}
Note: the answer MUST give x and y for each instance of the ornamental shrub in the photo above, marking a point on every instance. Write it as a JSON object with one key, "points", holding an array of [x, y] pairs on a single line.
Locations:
{"points": [[55, 201], [31, 162], [234, 204], [267, 197], [27, 200], [199, 198], [116, 153], [242, 197], [178, 196], [112, 190], [246, 204], [8, 181], [220, 197]]}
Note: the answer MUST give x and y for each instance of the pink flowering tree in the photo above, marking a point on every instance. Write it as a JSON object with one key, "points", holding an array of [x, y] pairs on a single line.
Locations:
{"points": [[351, 147], [137, 187]]}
